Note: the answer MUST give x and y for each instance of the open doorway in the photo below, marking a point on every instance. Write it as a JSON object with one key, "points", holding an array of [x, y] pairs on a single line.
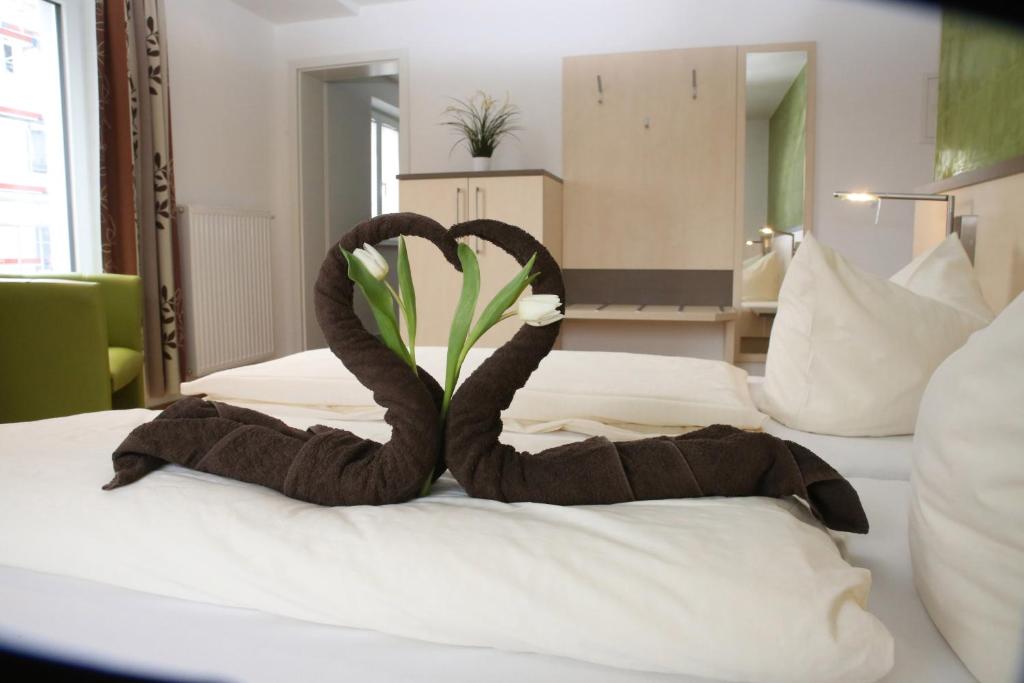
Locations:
{"points": [[351, 145]]}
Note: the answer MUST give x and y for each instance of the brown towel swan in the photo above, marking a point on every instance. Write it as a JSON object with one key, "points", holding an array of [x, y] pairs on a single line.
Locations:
{"points": [[716, 461], [319, 465]]}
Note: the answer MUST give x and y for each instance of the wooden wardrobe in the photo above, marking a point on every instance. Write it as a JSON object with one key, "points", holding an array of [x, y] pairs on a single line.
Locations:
{"points": [[651, 194], [530, 199], [649, 143]]}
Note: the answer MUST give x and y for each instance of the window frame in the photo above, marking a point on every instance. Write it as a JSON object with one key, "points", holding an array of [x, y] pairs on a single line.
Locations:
{"points": [[81, 129], [380, 119]]}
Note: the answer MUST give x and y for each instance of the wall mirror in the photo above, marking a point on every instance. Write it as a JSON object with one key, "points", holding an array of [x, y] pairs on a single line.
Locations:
{"points": [[777, 160]]}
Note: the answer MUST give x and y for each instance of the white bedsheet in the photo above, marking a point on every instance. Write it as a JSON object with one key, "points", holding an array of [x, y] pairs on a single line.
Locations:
{"points": [[873, 457], [661, 585], [115, 627]]}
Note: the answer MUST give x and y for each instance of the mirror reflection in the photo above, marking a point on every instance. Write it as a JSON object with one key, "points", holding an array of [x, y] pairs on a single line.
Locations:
{"points": [[774, 182]]}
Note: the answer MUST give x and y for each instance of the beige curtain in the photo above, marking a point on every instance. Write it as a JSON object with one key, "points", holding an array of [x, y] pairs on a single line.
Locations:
{"points": [[137, 178]]}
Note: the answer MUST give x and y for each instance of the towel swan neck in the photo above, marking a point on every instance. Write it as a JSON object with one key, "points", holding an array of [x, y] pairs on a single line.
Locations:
{"points": [[717, 460]]}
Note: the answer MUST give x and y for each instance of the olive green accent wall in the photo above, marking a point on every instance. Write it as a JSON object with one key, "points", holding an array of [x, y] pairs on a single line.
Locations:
{"points": [[981, 95], [786, 157]]}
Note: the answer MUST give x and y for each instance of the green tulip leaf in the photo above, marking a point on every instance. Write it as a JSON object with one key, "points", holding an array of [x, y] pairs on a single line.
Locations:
{"points": [[502, 301], [407, 291], [383, 310], [463, 317]]}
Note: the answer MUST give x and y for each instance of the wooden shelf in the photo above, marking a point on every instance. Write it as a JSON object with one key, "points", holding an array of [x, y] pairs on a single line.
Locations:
{"points": [[761, 307], [479, 174], [640, 312]]}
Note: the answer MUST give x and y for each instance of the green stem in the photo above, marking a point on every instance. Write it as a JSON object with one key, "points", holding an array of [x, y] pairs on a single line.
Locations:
{"points": [[425, 489], [450, 390]]}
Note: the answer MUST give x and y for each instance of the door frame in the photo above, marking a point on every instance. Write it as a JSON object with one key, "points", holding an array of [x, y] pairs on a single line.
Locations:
{"points": [[326, 69]]}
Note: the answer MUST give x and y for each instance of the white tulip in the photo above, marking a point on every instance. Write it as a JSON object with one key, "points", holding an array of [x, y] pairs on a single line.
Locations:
{"points": [[372, 261], [539, 309]]}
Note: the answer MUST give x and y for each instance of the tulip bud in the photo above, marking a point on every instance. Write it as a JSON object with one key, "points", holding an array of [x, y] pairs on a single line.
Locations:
{"points": [[372, 261], [539, 309]]}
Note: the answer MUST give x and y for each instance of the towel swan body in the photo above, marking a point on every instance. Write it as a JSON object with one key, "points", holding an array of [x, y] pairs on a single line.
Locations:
{"points": [[715, 461], [320, 465]]}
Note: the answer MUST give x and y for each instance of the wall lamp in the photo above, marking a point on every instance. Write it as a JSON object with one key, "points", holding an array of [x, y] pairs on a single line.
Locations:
{"points": [[864, 197], [768, 233]]}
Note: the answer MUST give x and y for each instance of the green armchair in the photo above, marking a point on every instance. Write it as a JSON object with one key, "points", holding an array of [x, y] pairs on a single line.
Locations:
{"points": [[69, 344]]}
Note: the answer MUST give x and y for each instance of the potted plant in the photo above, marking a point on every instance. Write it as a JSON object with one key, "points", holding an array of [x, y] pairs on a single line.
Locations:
{"points": [[481, 123]]}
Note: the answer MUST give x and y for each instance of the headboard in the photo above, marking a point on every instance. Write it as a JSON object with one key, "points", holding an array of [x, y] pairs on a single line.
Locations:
{"points": [[996, 196]]}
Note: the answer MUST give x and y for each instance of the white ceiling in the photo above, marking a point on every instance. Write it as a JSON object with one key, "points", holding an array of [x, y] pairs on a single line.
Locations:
{"points": [[769, 75], [291, 11]]}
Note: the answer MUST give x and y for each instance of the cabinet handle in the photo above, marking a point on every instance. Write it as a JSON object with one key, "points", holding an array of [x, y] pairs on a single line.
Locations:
{"points": [[694, 82], [600, 90], [458, 203], [477, 247]]}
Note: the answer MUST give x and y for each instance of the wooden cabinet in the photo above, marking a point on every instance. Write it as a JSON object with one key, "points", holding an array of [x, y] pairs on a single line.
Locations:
{"points": [[531, 200], [649, 154]]}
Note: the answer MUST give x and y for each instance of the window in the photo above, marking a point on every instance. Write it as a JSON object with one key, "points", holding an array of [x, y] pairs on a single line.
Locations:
{"points": [[37, 149], [383, 163], [35, 209]]}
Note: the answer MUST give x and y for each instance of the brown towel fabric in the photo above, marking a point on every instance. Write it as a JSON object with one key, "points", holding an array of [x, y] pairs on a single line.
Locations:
{"points": [[320, 465], [716, 461]]}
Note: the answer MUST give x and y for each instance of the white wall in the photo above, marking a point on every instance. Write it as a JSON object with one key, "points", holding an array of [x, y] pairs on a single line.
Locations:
{"points": [[872, 58], [755, 181], [223, 122], [221, 61]]}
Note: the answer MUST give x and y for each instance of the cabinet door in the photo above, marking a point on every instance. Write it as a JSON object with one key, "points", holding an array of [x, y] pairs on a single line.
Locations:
{"points": [[519, 201], [650, 170], [437, 283]]}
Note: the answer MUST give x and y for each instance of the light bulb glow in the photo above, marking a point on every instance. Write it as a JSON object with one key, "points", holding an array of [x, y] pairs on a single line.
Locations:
{"points": [[859, 197]]}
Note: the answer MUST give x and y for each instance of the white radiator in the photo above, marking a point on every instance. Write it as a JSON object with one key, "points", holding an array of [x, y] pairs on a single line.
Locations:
{"points": [[226, 272]]}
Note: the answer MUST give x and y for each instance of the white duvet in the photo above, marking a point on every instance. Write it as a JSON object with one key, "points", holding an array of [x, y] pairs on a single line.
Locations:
{"points": [[733, 589]]}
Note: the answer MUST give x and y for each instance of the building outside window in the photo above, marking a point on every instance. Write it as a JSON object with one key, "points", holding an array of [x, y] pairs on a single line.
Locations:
{"points": [[36, 230]]}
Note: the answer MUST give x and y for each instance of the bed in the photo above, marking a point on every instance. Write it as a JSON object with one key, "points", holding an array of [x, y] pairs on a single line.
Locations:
{"points": [[57, 613]]}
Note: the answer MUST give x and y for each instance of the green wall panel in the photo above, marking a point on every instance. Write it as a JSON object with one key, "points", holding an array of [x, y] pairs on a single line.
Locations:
{"points": [[786, 157], [981, 95]]}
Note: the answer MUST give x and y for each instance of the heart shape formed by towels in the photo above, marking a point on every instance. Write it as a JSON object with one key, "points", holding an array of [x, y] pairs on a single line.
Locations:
{"points": [[335, 467]]}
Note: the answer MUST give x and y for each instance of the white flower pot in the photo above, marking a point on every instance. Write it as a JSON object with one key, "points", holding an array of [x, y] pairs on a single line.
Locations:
{"points": [[481, 163]]}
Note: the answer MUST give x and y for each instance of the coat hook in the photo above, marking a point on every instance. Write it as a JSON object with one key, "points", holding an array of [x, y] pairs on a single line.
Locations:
{"points": [[694, 75], [647, 122], [600, 90]]}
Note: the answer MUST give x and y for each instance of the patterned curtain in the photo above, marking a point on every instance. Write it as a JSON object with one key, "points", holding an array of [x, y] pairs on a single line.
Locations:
{"points": [[138, 217]]}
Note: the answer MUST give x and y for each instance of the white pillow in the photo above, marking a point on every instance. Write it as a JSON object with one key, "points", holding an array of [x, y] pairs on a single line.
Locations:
{"points": [[583, 390], [762, 277], [632, 395], [850, 353], [967, 502], [944, 273]]}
